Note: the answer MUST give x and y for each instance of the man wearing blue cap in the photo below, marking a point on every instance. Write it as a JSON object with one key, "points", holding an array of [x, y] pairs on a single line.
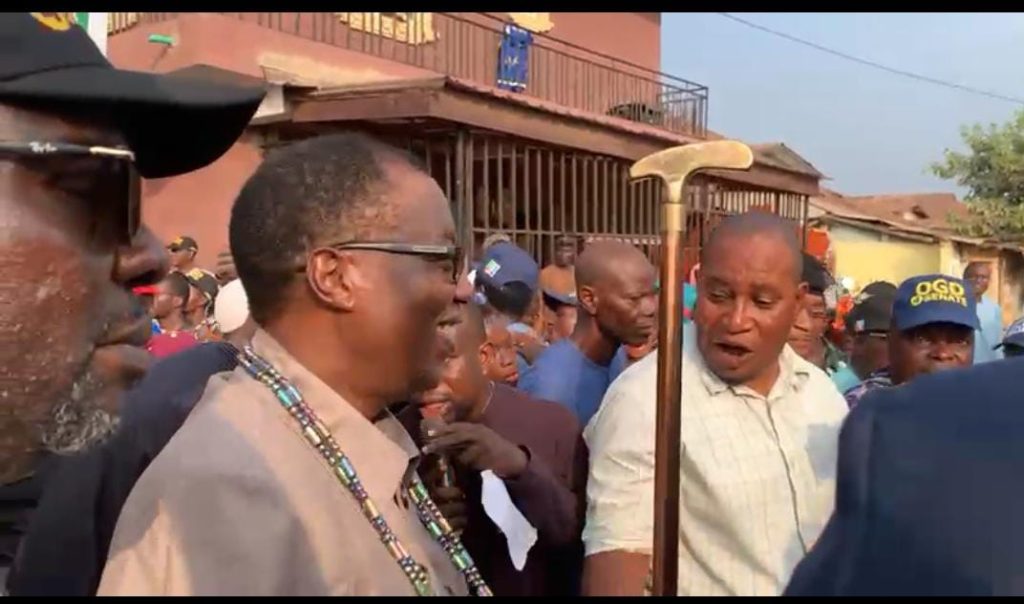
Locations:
{"points": [[506, 279], [933, 323]]}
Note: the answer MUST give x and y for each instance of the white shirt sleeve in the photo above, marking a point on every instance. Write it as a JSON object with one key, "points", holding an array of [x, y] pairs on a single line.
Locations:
{"points": [[620, 487]]}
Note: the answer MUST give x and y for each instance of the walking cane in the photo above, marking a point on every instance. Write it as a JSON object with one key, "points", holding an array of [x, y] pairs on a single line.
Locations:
{"points": [[674, 166]]}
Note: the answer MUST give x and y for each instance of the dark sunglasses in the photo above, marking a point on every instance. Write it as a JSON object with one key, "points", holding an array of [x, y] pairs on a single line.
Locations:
{"points": [[436, 252], [122, 160]]}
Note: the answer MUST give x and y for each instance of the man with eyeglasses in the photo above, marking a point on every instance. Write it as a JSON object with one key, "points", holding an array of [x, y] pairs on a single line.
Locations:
{"points": [[808, 335], [291, 476], [75, 136], [932, 330]]}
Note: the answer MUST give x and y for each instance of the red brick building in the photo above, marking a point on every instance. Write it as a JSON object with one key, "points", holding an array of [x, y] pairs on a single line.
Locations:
{"points": [[550, 155]]}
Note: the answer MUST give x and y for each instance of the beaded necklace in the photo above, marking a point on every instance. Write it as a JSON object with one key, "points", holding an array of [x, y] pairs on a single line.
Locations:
{"points": [[320, 438]]}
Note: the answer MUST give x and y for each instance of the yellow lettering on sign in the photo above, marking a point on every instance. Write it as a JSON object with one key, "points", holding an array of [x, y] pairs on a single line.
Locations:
{"points": [[939, 290], [409, 28]]}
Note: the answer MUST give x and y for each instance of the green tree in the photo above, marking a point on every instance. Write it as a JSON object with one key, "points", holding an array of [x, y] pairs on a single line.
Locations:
{"points": [[992, 170]]}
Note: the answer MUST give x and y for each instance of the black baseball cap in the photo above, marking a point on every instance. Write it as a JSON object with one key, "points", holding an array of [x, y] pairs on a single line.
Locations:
{"points": [[1014, 335], [816, 276], [872, 309], [172, 123], [204, 282], [183, 242]]}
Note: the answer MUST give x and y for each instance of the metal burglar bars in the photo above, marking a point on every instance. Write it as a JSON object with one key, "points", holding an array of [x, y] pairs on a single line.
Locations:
{"points": [[466, 46], [534, 193]]}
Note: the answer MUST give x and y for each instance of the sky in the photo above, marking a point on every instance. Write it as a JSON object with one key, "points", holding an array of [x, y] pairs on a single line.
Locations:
{"points": [[869, 131]]}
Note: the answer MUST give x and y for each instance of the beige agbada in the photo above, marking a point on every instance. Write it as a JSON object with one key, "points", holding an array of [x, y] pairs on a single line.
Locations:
{"points": [[239, 503]]}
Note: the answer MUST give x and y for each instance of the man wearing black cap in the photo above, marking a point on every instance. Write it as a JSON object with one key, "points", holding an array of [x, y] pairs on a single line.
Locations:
{"points": [[807, 336], [183, 252], [75, 136], [867, 325], [932, 329], [1013, 342], [203, 289]]}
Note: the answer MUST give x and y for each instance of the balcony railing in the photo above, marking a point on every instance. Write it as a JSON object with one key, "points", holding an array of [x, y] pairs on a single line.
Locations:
{"points": [[466, 46]]}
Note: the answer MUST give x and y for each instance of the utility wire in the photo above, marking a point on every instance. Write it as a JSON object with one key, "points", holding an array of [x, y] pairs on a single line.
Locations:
{"points": [[893, 70]]}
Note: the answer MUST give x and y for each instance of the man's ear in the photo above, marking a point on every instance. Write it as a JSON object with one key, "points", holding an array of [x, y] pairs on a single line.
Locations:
{"points": [[486, 353], [334, 277], [587, 299], [801, 293]]}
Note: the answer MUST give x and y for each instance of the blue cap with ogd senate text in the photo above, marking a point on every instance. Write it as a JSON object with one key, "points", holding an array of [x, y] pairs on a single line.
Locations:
{"points": [[934, 299]]}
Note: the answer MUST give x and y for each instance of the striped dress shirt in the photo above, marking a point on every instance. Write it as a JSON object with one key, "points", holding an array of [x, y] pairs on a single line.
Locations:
{"points": [[757, 473]]}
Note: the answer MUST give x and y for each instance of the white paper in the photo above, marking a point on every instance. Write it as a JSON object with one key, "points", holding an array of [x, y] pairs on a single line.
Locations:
{"points": [[518, 531]]}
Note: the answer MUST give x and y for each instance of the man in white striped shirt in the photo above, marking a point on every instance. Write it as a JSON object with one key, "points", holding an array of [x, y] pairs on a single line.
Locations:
{"points": [[759, 433]]}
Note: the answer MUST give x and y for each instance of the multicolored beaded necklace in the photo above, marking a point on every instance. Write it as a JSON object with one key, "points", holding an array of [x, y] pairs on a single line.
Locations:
{"points": [[320, 438]]}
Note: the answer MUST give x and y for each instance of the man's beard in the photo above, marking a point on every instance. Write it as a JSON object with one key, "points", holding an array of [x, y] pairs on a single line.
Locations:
{"points": [[78, 422]]}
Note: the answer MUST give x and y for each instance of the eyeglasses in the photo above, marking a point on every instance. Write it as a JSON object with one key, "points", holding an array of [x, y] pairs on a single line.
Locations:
{"points": [[123, 162], [454, 253]]}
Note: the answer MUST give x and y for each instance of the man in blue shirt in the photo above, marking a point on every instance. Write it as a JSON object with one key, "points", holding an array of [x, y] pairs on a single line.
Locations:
{"points": [[990, 317], [616, 304]]}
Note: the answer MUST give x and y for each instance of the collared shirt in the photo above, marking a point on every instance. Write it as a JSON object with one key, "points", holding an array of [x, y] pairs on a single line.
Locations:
{"points": [[239, 503], [878, 379], [757, 473], [990, 318]]}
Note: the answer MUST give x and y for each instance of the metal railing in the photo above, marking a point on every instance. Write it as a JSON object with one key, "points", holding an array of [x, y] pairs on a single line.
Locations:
{"points": [[466, 46]]}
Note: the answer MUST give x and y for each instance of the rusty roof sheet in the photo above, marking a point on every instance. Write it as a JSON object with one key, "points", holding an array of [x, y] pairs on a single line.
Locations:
{"points": [[915, 213], [778, 155]]}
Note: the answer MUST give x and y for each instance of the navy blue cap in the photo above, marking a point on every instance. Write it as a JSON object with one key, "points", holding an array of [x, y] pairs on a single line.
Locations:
{"points": [[1014, 334], [553, 298], [504, 263], [934, 299]]}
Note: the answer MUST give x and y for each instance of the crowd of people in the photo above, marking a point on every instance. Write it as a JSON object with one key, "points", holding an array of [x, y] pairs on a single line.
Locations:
{"points": [[353, 404]]}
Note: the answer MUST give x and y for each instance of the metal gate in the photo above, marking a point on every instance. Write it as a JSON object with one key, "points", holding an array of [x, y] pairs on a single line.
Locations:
{"points": [[536, 193]]}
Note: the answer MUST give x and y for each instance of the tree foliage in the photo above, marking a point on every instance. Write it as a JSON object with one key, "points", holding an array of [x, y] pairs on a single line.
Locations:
{"points": [[992, 170]]}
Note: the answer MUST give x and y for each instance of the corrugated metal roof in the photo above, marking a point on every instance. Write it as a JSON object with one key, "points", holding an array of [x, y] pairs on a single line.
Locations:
{"points": [[915, 213]]}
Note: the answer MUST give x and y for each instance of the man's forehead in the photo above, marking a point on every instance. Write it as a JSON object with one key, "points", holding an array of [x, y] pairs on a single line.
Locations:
{"points": [[418, 204], [18, 123]]}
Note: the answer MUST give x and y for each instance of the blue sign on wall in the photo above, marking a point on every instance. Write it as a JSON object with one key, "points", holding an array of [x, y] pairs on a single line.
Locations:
{"points": [[513, 58]]}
